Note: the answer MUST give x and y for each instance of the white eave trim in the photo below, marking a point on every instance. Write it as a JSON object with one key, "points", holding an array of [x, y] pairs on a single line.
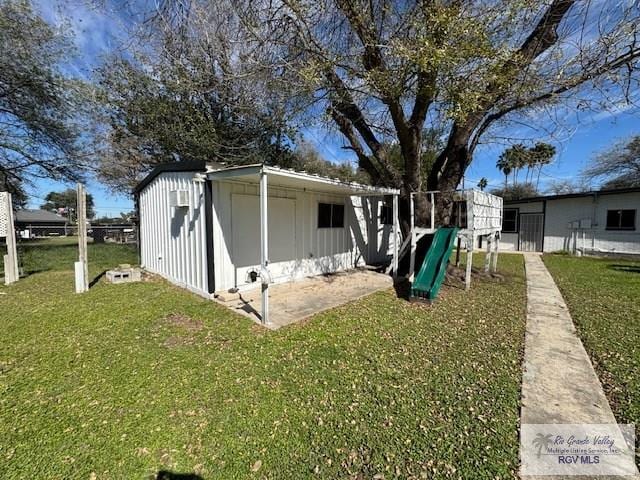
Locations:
{"points": [[352, 187]]}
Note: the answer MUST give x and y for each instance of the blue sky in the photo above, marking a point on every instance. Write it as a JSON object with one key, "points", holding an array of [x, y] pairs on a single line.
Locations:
{"points": [[98, 32]]}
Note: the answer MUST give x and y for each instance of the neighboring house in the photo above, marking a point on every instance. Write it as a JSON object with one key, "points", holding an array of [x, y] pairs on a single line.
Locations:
{"points": [[604, 221], [40, 223], [200, 225]]}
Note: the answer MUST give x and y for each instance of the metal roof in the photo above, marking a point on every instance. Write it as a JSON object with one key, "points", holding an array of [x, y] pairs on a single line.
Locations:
{"points": [[39, 216], [187, 166], [281, 177], [591, 193]]}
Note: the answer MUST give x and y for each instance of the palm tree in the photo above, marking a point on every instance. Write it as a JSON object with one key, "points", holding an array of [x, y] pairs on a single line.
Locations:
{"points": [[543, 154], [504, 166], [515, 157], [542, 441], [518, 157], [482, 184]]}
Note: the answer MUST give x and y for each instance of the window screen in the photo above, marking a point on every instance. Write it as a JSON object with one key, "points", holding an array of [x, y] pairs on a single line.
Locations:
{"points": [[330, 215], [510, 220], [621, 219], [324, 215]]}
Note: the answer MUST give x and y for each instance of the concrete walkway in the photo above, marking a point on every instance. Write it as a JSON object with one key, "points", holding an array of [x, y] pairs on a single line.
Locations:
{"points": [[559, 384]]}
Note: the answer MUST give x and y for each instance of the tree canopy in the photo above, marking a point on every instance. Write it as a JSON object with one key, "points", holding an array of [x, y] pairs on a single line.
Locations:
{"points": [[382, 72], [39, 106], [174, 108], [65, 203], [618, 166]]}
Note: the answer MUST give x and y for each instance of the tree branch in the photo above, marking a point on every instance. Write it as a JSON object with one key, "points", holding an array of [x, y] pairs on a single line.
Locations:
{"points": [[364, 161]]}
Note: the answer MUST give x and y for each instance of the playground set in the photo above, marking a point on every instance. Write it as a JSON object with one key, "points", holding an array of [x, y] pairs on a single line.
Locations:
{"points": [[475, 215]]}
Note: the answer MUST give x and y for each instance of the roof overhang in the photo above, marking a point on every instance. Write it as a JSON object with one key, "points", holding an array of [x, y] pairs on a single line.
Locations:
{"points": [[279, 177], [562, 196], [185, 166]]}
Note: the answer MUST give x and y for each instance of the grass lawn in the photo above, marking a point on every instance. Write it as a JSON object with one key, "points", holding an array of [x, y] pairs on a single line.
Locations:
{"points": [[127, 380], [603, 296]]}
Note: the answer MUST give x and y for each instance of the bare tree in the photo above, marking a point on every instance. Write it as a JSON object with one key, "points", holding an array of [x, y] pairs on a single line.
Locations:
{"points": [[617, 167]]}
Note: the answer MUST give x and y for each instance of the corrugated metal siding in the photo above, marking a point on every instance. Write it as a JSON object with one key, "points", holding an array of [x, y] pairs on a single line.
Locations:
{"points": [[173, 239], [316, 250]]}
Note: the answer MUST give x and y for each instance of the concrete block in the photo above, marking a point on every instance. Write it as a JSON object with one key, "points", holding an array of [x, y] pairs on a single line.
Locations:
{"points": [[124, 275]]}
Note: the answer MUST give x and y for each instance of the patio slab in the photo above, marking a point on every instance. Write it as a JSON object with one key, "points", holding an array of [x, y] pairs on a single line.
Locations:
{"points": [[294, 301]]}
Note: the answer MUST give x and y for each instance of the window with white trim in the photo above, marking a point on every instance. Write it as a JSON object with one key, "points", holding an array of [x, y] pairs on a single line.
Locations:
{"points": [[621, 219], [330, 215]]}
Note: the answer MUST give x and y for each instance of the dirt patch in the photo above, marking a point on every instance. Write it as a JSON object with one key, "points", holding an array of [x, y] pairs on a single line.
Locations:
{"points": [[258, 329], [184, 331], [454, 278], [183, 321], [176, 341], [455, 275]]}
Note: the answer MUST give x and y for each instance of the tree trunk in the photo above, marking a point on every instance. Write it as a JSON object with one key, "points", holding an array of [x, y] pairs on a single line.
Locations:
{"points": [[411, 180]]}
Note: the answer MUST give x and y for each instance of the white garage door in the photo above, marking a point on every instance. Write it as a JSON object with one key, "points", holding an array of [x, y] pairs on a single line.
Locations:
{"points": [[245, 221]]}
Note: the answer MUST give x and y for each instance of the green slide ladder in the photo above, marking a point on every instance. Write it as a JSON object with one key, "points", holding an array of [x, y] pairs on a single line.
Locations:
{"points": [[429, 279]]}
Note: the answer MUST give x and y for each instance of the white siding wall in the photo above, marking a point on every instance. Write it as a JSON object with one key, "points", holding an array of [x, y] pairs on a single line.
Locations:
{"points": [[597, 238], [317, 250], [509, 242], [173, 239], [560, 212]]}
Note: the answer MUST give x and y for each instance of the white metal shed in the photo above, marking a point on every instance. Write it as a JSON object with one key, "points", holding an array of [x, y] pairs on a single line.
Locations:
{"points": [[211, 228]]}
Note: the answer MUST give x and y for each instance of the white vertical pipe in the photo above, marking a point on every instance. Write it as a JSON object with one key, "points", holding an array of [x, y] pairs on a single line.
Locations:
{"points": [[412, 260], [395, 235], [264, 245], [433, 211]]}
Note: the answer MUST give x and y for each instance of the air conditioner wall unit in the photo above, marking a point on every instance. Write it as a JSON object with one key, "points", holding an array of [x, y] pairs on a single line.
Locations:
{"points": [[179, 198]]}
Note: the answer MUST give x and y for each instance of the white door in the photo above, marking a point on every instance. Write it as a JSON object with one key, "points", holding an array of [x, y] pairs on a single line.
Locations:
{"points": [[245, 224]]}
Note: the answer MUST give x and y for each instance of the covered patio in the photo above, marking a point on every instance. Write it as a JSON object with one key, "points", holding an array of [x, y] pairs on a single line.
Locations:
{"points": [[292, 302], [299, 283]]}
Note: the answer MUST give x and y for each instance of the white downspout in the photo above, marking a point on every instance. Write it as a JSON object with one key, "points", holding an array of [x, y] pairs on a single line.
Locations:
{"points": [[264, 247], [395, 235]]}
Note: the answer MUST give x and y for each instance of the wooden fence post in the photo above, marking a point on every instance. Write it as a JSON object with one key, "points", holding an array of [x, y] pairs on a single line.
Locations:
{"points": [[11, 272], [81, 266]]}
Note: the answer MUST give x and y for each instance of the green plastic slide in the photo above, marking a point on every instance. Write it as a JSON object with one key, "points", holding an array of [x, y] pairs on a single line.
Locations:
{"points": [[429, 279]]}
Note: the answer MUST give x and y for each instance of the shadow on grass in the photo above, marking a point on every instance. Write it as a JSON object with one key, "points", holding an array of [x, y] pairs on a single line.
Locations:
{"points": [[166, 475], [624, 268], [97, 278], [402, 286]]}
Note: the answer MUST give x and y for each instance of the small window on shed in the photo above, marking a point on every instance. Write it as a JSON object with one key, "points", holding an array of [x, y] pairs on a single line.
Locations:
{"points": [[510, 220], [330, 215], [621, 219], [386, 213]]}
